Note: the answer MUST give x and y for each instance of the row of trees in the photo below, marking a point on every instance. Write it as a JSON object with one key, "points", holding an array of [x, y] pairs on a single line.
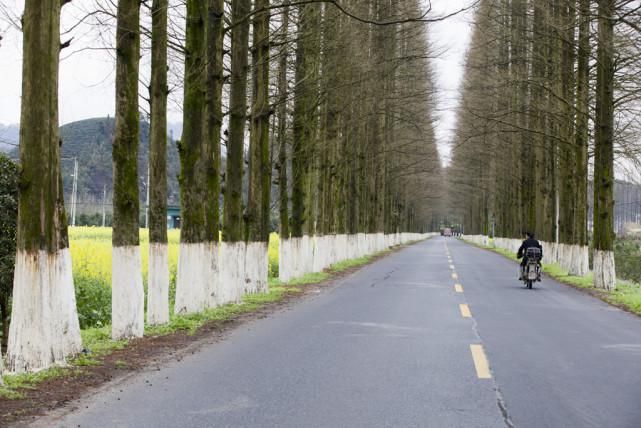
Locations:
{"points": [[338, 100], [543, 82]]}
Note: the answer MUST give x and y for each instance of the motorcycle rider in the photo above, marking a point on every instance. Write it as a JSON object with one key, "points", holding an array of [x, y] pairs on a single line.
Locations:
{"points": [[529, 242]]}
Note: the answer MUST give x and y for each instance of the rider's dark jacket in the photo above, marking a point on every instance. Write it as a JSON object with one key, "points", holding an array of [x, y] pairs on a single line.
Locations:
{"points": [[528, 243]]}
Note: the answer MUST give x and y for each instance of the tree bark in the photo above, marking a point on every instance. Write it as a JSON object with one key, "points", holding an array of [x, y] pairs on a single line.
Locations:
{"points": [[44, 326], [582, 123], [282, 129], [127, 292], [215, 79], [233, 220], [195, 262], [192, 147], [258, 200], [158, 282], [604, 276], [304, 117]]}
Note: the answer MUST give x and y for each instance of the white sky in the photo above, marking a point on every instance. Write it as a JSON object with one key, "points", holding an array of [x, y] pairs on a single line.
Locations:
{"points": [[87, 76], [451, 37]]}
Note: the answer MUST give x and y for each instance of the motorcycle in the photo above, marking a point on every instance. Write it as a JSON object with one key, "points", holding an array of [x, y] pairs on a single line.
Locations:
{"points": [[531, 272]]}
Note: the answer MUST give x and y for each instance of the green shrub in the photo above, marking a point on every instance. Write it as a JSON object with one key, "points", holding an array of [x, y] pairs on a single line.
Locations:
{"points": [[93, 300], [627, 255], [8, 218]]}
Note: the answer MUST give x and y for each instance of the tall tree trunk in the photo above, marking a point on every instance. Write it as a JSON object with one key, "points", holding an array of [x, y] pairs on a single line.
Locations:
{"points": [[538, 110], [582, 123], [214, 122], [304, 116], [257, 217], [215, 80], [44, 327], [258, 198], [604, 269], [567, 161], [233, 266], [233, 212], [192, 282], [551, 125], [282, 128], [158, 282], [127, 303]]}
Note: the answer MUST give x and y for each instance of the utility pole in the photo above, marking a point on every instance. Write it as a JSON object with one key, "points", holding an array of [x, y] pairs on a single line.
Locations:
{"points": [[104, 201], [147, 203], [74, 192]]}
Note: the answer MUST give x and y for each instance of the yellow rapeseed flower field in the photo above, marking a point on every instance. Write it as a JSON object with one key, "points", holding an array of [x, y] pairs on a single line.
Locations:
{"points": [[91, 252], [91, 255]]}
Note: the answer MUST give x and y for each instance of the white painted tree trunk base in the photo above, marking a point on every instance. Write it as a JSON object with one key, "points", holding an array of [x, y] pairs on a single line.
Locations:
{"points": [[158, 285], [192, 281], [213, 275], [306, 258], [579, 264], [583, 260], [44, 326], [284, 255], [128, 294], [300, 256], [232, 272], [604, 270], [256, 268]]}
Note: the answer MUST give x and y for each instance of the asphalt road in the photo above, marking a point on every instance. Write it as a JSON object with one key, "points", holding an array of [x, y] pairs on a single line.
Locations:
{"points": [[395, 346]]}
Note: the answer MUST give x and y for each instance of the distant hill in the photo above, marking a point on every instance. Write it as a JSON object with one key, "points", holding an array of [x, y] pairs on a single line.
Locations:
{"points": [[175, 130], [90, 141], [9, 136]]}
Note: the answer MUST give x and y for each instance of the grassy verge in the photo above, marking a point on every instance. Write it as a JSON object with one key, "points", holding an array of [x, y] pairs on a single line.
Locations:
{"points": [[627, 295], [98, 343]]}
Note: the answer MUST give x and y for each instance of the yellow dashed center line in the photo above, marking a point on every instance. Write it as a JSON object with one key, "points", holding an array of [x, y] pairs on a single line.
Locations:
{"points": [[458, 288], [480, 362], [465, 310]]}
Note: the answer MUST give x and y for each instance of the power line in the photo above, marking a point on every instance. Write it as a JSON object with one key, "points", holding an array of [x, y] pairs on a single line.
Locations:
{"points": [[9, 143]]}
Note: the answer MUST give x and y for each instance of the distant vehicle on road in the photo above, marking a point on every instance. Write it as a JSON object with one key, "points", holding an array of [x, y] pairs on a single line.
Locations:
{"points": [[447, 232]]}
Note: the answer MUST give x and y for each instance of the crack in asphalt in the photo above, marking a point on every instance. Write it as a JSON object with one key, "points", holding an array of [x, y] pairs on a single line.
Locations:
{"points": [[387, 276], [500, 398]]}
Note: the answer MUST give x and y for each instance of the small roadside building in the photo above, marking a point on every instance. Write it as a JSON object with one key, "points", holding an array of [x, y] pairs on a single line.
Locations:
{"points": [[173, 216]]}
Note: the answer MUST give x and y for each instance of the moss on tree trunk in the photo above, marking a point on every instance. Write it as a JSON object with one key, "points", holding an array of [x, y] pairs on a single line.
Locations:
{"points": [[192, 148], [215, 35], [258, 199], [582, 123], [604, 131], [282, 129], [304, 115], [125, 147], [233, 212], [42, 221], [158, 137]]}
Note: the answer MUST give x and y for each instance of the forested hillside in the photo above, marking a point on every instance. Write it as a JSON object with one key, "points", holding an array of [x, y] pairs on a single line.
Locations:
{"points": [[90, 141]]}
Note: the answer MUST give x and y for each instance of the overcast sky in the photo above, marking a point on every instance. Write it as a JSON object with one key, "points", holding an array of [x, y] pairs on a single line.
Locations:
{"points": [[87, 76]]}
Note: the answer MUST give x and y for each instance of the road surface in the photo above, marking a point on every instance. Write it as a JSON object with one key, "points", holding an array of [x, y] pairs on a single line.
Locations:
{"points": [[439, 334]]}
